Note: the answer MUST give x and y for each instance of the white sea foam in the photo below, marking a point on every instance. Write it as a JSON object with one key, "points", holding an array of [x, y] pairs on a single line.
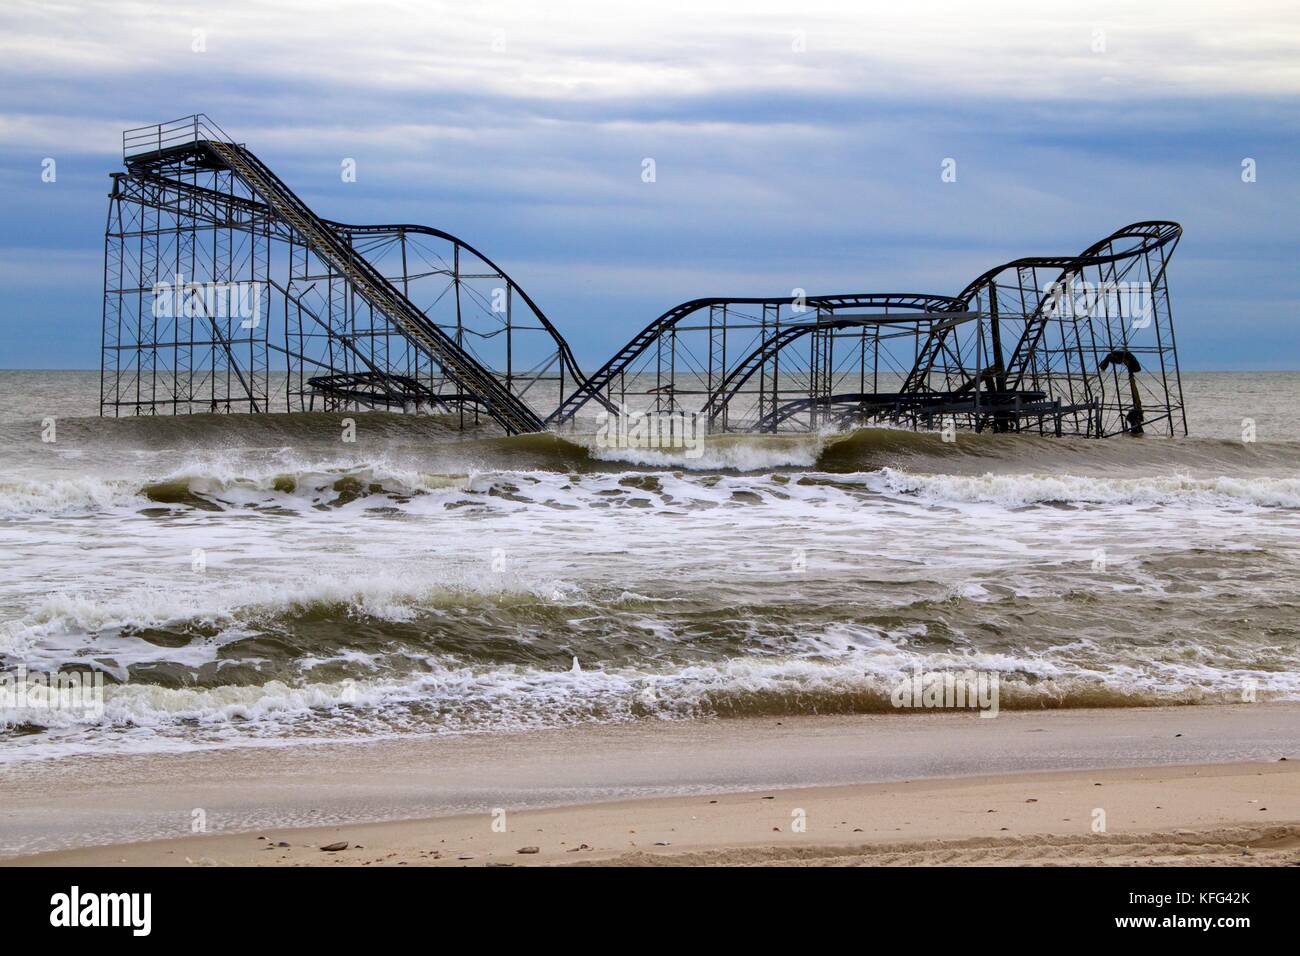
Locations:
{"points": [[70, 628], [845, 668], [61, 495], [229, 478], [713, 591], [1027, 489], [284, 481], [724, 453]]}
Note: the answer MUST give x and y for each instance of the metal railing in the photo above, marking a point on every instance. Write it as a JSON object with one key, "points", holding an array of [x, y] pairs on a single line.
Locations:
{"points": [[172, 133]]}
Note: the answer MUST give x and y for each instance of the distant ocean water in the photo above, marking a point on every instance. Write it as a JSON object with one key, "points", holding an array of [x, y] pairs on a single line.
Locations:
{"points": [[253, 580]]}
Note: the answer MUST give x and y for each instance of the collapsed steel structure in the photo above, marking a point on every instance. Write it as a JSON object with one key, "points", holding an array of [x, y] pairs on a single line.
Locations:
{"points": [[213, 266]]}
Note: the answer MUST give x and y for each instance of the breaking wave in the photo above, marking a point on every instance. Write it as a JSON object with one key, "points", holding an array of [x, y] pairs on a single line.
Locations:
{"points": [[743, 453], [1019, 490], [352, 592], [32, 497], [766, 472], [449, 696]]}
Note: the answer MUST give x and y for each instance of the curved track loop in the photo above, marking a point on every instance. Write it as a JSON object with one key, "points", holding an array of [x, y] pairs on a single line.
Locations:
{"points": [[1019, 383], [1149, 236], [595, 386], [768, 348], [565, 352]]}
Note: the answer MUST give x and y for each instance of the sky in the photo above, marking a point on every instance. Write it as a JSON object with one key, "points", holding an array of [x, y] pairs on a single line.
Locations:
{"points": [[795, 145]]}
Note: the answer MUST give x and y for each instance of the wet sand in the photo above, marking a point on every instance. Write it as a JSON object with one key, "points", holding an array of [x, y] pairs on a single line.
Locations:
{"points": [[1183, 785]]}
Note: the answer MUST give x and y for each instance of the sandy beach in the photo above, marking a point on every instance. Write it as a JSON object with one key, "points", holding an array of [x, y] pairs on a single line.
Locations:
{"points": [[1202, 785]]}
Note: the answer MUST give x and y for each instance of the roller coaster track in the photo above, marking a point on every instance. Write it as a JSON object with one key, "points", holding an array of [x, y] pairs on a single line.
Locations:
{"points": [[621, 359], [513, 415], [195, 202], [624, 357], [1151, 235], [566, 353], [859, 404], [934, 307], [398, 389], [325, 240], [378, 389]]}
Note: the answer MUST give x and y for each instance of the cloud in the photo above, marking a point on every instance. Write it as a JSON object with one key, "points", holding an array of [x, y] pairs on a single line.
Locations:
{"points": [[586, 49], [522, 127]]}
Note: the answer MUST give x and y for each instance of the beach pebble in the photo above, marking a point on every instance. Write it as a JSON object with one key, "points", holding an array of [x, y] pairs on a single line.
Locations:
{"points": [[528, 849], [335, 847]]}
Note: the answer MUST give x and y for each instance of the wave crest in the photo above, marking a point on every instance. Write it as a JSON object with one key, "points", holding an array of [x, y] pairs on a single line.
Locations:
{"points": [[1030, 489]]}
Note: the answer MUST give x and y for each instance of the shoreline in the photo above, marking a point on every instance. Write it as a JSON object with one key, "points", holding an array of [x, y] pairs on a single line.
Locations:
{"points": [[1244, 814], [866, 783]]}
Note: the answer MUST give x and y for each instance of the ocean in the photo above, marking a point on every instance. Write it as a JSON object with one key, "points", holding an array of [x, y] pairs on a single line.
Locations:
{"points": [[258, 581]]}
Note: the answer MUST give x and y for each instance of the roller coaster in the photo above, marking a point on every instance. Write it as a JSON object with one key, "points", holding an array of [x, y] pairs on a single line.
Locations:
{"points": [[225, 292]]}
